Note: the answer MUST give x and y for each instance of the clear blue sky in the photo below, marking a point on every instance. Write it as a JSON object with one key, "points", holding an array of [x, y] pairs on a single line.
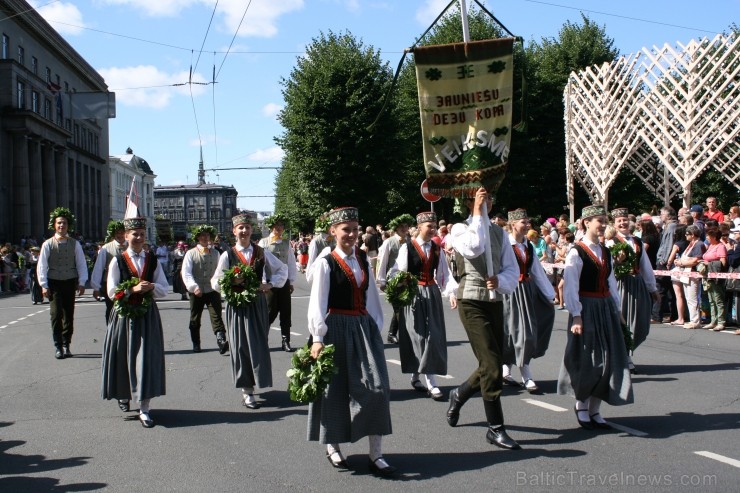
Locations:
{"points": [[143, 47]]}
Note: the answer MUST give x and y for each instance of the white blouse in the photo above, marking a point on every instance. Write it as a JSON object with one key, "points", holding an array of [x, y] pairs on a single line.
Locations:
{"points": [[447, 284], [161, 286], [572, 276]]}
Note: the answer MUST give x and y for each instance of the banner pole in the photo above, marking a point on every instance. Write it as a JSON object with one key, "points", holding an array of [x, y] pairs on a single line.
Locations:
{"points": [[464, 15]]}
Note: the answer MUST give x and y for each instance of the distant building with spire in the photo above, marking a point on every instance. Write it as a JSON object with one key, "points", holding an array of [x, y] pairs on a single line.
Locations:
{"points": [[201, 203], [123, 169]]}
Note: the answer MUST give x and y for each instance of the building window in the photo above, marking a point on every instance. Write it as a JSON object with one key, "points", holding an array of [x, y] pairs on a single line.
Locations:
{"points": [[21, 55], [77, 134], [35, 65], [35, 101], [6, 46], [47, 109], [21, 96], [48, 74]]}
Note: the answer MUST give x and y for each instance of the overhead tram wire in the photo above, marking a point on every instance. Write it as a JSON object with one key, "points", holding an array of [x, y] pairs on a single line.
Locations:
{"points": [[195, 114], [29, 10], [205, 36], [213, 93], [228, 50]]}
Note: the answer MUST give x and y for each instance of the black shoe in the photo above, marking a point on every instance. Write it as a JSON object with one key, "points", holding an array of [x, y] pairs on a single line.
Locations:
{"points": [[286, 346], [196, 347], [497, 436], [453, 412], [251, 405], [341, 464], [600, 426], [509, 381], [146, 421], [383, 472], [392, 339], [418, 386], [59, 354], [437, 396], [123, 406], [223, 344], [67, 353], [584, 424]]}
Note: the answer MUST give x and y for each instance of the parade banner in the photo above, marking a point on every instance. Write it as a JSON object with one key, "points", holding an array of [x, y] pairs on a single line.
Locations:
{"points": [[465, 103]]}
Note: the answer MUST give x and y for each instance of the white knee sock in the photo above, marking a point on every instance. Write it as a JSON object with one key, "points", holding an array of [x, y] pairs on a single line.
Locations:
{"points": [[144, 406], [376, 446], [526, 373], [507, 370], [431, 381], [594, 405]]}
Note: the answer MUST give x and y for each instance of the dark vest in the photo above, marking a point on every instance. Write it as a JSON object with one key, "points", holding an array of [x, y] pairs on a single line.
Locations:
{"points": [[258, 259], [344, 294], [424, 271], [150, 266], [525, 264], [594, 275]]}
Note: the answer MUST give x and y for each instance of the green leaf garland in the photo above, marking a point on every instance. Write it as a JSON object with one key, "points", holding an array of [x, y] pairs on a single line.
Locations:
{"points": [[308, 377], [401, 289], [129, 304], [623, 259], [238, 293]]}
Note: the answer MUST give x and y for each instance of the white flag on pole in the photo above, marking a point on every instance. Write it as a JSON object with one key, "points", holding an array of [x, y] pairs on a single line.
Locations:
{"points": [[132, 203]]}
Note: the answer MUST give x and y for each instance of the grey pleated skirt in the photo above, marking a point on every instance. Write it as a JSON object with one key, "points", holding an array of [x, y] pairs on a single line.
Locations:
{"points": [[356, 402], [637, 306], [423, 344], [595, 362], [528, 321], [133, 357], [248, 328]]}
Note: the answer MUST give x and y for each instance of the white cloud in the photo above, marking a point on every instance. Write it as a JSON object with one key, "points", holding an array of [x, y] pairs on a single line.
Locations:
{"points": [[271, 109], [270, 155], [157, 8], [426, 14], [149, 87], [261, 18], [65, 18]]}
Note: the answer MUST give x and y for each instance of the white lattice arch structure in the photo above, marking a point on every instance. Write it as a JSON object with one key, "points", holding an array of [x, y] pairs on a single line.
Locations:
{"points": [[666, 114]]}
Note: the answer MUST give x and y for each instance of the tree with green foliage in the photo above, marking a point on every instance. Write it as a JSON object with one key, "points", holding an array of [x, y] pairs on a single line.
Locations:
{"points": [[332, 157]]}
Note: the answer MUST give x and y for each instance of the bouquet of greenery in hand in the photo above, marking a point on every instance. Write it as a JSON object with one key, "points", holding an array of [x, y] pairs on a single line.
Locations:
{"points": [[627, 334], [624, 259], [239, 285], [401, 289], [129, 304], [308, 377]]}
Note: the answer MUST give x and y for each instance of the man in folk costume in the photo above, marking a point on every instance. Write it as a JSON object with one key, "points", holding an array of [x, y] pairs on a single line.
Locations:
{"points": [[133, 351], [638, 291], [423, 345], [386, 258], [344, 310], [62, 273], [198, 267], [99, 279], [279, 298], [529, 314], [319, 243], [481, 316], [249, 325]]}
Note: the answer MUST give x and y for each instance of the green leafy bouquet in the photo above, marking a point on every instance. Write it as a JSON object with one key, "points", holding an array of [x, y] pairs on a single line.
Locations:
{"points": [[239, 285], [401, 289], [624, 259], [308, 377], [129, 304]]}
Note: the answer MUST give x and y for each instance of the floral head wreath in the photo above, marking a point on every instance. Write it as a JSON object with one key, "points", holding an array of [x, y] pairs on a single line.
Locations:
{"points": [[270, 221], [322, 223], [114, 226], [204, 228], [65, 213], [402, 219]]}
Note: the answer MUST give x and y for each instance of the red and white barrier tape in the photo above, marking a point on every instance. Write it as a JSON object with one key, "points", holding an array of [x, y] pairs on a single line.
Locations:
{"points": [[671, 273]]}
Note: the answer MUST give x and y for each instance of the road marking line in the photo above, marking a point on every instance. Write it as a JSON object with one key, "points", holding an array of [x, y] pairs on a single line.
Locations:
{"points": [[627, 429], [720, 458], [13, 322], [394, 361], [4, 327], [23, 318], [448, 377], [545, 405]]}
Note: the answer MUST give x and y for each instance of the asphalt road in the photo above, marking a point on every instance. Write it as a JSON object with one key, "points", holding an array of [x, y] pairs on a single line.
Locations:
{"points": [[57, 434]]}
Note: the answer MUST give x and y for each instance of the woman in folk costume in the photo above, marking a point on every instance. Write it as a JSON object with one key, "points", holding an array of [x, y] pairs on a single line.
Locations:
{"points": [[386, 258], [133, 351], [594, 367], [344, 310], [638, 290], [423, 343], [178, 285], [248, 326], [529, 314]]}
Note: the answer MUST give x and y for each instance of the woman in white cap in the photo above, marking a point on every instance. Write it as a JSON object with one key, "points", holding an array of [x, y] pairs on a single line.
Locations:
{"points": [[344, 310], [594, 366], [423, 344]]}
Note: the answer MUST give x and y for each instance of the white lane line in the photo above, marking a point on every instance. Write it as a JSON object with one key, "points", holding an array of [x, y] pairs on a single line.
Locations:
{"points": [[292, 333], [4, 327], [13, 322], [720, 458], [394, 361], [447, 377], [627, 429], [23, 318], [545, 405]]}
